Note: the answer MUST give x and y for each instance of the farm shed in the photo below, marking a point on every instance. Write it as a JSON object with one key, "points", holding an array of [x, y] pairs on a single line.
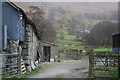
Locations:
{"points": [[18, 39], [116, 42], [48, 50], [116, 49]]}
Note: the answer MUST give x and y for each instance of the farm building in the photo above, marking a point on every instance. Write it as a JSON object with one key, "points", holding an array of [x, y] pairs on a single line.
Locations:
{"points": [[116, 42], [18, 41], [48, 51], [20, 47], [12, 24]]}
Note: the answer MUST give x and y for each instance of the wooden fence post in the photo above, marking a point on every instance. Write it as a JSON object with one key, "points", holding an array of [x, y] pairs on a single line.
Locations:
{"points": [[77, 53], [90, 64], [119, 64]]}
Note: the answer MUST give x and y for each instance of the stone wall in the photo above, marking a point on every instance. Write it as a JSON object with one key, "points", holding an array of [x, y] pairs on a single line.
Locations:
{"points": [[13, 46], [30, 48], [27, 49]]}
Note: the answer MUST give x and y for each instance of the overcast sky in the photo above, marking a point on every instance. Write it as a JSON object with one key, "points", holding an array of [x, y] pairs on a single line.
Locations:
{"points": [[65, 0]]}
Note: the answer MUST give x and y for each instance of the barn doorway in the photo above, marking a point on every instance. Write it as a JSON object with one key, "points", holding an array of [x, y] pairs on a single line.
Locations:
{"points": [[47, 53]]}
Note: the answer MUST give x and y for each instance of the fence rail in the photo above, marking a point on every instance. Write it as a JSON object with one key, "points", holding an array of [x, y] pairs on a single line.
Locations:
{"points": [[9, 65]]}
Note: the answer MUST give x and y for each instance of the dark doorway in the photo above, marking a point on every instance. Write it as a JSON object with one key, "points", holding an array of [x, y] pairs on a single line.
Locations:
{"points": [[47, 53]]}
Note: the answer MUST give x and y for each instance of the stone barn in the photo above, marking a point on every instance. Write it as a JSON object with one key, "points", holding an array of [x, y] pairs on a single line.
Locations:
{"points": [[19, 42], [13, 22], [48, 51], [18, 35]]}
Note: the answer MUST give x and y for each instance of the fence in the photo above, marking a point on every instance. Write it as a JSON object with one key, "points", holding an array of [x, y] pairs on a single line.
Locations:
{"points": [[9, 65], [103, 64], [74, 54]]}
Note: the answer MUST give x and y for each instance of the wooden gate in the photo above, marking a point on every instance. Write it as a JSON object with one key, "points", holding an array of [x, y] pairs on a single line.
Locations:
{"points": [[74, 54], [103, 64]]}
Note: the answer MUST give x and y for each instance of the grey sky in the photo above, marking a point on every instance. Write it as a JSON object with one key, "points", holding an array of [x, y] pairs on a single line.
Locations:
{"points": [[65, 0]]}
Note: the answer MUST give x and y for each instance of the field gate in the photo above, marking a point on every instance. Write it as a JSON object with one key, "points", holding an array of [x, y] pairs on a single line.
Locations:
{"points": [[104, 64]]}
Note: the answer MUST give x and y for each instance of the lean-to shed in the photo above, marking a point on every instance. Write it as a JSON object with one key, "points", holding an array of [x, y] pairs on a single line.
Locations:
{"points": [[48, 51]]}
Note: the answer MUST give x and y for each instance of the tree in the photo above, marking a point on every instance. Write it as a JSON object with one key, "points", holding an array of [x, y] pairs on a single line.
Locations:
{"points": [[101, 33], [45, 30], [49, 33]]}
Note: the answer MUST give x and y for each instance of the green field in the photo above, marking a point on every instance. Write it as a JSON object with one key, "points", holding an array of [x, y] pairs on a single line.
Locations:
{"points": [[68, 42], [68, 37], [102, 49]]}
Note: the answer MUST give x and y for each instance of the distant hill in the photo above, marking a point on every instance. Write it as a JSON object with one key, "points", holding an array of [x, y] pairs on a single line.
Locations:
{"points": [[82, 14], [76, 7]]}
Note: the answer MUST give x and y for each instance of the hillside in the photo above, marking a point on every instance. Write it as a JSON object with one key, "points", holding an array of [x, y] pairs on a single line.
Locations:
{"points": [[82, 14], [76, 8]]}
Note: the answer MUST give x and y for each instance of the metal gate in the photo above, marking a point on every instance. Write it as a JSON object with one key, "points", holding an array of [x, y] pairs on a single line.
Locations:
{"points": [[103, 64], [9, 65]]}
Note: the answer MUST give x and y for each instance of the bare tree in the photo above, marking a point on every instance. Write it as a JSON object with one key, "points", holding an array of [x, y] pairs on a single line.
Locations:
{"points": [[45, 30]]}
